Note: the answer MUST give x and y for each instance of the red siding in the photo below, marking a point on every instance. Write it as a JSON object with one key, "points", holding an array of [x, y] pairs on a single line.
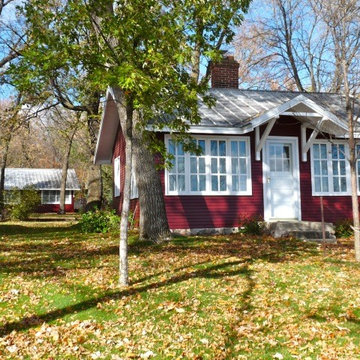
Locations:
{"points": [[186, 212], [119, 150]]}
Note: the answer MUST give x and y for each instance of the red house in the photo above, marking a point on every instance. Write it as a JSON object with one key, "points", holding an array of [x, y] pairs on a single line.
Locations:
{"points": [[47, 182], [267, 153]]}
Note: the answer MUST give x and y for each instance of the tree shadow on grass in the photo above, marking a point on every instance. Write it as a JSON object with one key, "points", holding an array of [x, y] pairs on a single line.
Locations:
{"points": [[211, 272]]}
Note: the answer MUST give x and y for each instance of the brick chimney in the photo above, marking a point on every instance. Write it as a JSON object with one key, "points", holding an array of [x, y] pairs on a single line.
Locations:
{"points": [[225, 74]]}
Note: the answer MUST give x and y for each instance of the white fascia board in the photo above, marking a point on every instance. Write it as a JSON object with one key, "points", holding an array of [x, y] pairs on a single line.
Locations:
{"points": [[281, 109], [102, 130], [208, 130]]}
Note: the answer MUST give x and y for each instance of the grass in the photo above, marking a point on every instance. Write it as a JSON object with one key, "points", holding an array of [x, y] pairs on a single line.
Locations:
{"points": [[221, 297]]}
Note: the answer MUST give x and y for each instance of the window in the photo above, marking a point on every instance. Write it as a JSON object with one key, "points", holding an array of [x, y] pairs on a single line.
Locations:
{"points": [[117, 177], [223, 168], [53, 197], [330, 169]]}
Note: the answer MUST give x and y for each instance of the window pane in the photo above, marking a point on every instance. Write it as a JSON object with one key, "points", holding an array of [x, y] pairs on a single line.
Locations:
{"points": [[222, 148], [234, 148], [181, 164], [201, 144], [341, 151], [202, 165], [193, 165], [172, 182], [325, 184], [242, 148], [242, 166], [316, 167], [342, 168], [213, 147], [171, 147], [278, 150], [202, 185], [193, 181], [214, 183], [243, 182], [235, 183], [287, 165], [334, 151], [222, 183], [324, 169], [336, 184], [335, 168], [323, 151], [272, 165], [214, 169], [181, 182], [173, 166], [286, 152], [235, 166], [316, 151], [343, 184], [222, 166], [317, 184], [180, 149]]}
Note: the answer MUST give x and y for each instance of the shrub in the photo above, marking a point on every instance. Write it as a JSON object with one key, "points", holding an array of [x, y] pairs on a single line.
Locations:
{"points": [[343, 228], [252, 225], [99, 221], [22, 203]]}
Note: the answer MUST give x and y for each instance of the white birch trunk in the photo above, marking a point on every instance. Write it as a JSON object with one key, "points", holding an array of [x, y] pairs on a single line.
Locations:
{"points": [[125, 112]]}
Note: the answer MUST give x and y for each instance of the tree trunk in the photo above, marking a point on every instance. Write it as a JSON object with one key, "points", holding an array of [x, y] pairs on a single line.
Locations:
{"points": [[2, 174], [125, 112], [64, 173], [352, 160], [153, 220], [94, 187], [94, 179]]}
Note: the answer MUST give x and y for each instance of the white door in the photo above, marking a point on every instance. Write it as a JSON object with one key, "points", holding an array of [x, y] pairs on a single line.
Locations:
{"points": [[281, 179]]}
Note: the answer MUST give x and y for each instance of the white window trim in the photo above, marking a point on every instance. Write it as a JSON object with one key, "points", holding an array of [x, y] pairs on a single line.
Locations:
{"points": [[68, 198], [117, 176], [330, 172], [208, 175]]}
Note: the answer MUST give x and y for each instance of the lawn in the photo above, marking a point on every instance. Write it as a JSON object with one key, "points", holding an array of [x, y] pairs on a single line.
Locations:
{"points": [[221, 297]]}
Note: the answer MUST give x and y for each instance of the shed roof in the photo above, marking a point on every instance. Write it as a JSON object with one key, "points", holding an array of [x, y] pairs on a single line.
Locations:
{"points": [[40, 179]]}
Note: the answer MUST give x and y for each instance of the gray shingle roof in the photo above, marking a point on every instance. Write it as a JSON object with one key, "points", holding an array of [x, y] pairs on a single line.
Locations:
{"points": [[235, 107], [41, 179]]}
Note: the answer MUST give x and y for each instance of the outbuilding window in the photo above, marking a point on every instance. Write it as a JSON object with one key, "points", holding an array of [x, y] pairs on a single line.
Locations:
{"points": [[53, 197], [223, 168]]}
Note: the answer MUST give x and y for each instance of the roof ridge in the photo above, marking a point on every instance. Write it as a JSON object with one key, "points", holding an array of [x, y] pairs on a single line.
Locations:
{"points": [[281, 91]]}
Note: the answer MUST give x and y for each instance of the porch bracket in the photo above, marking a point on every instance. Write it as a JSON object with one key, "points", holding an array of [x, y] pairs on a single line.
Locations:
{"points": [[306, 145], [259, 143]]}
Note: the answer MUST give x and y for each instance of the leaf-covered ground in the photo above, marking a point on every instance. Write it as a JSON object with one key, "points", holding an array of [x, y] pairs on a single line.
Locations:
{"points": [[223, 297]]}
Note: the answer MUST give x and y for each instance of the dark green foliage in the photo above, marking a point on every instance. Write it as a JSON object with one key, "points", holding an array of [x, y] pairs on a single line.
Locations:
{"points": [[343, 228], [252, 225], [99, 221], [21, 203]]}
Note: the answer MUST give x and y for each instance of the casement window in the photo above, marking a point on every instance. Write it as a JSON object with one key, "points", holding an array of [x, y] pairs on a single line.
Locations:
{"points": [[117, 177], [223, 168], [330, 169], [53, 197]]}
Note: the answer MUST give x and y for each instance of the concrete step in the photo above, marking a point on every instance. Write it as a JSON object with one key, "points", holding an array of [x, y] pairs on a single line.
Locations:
{"points": [[305, 230]]}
